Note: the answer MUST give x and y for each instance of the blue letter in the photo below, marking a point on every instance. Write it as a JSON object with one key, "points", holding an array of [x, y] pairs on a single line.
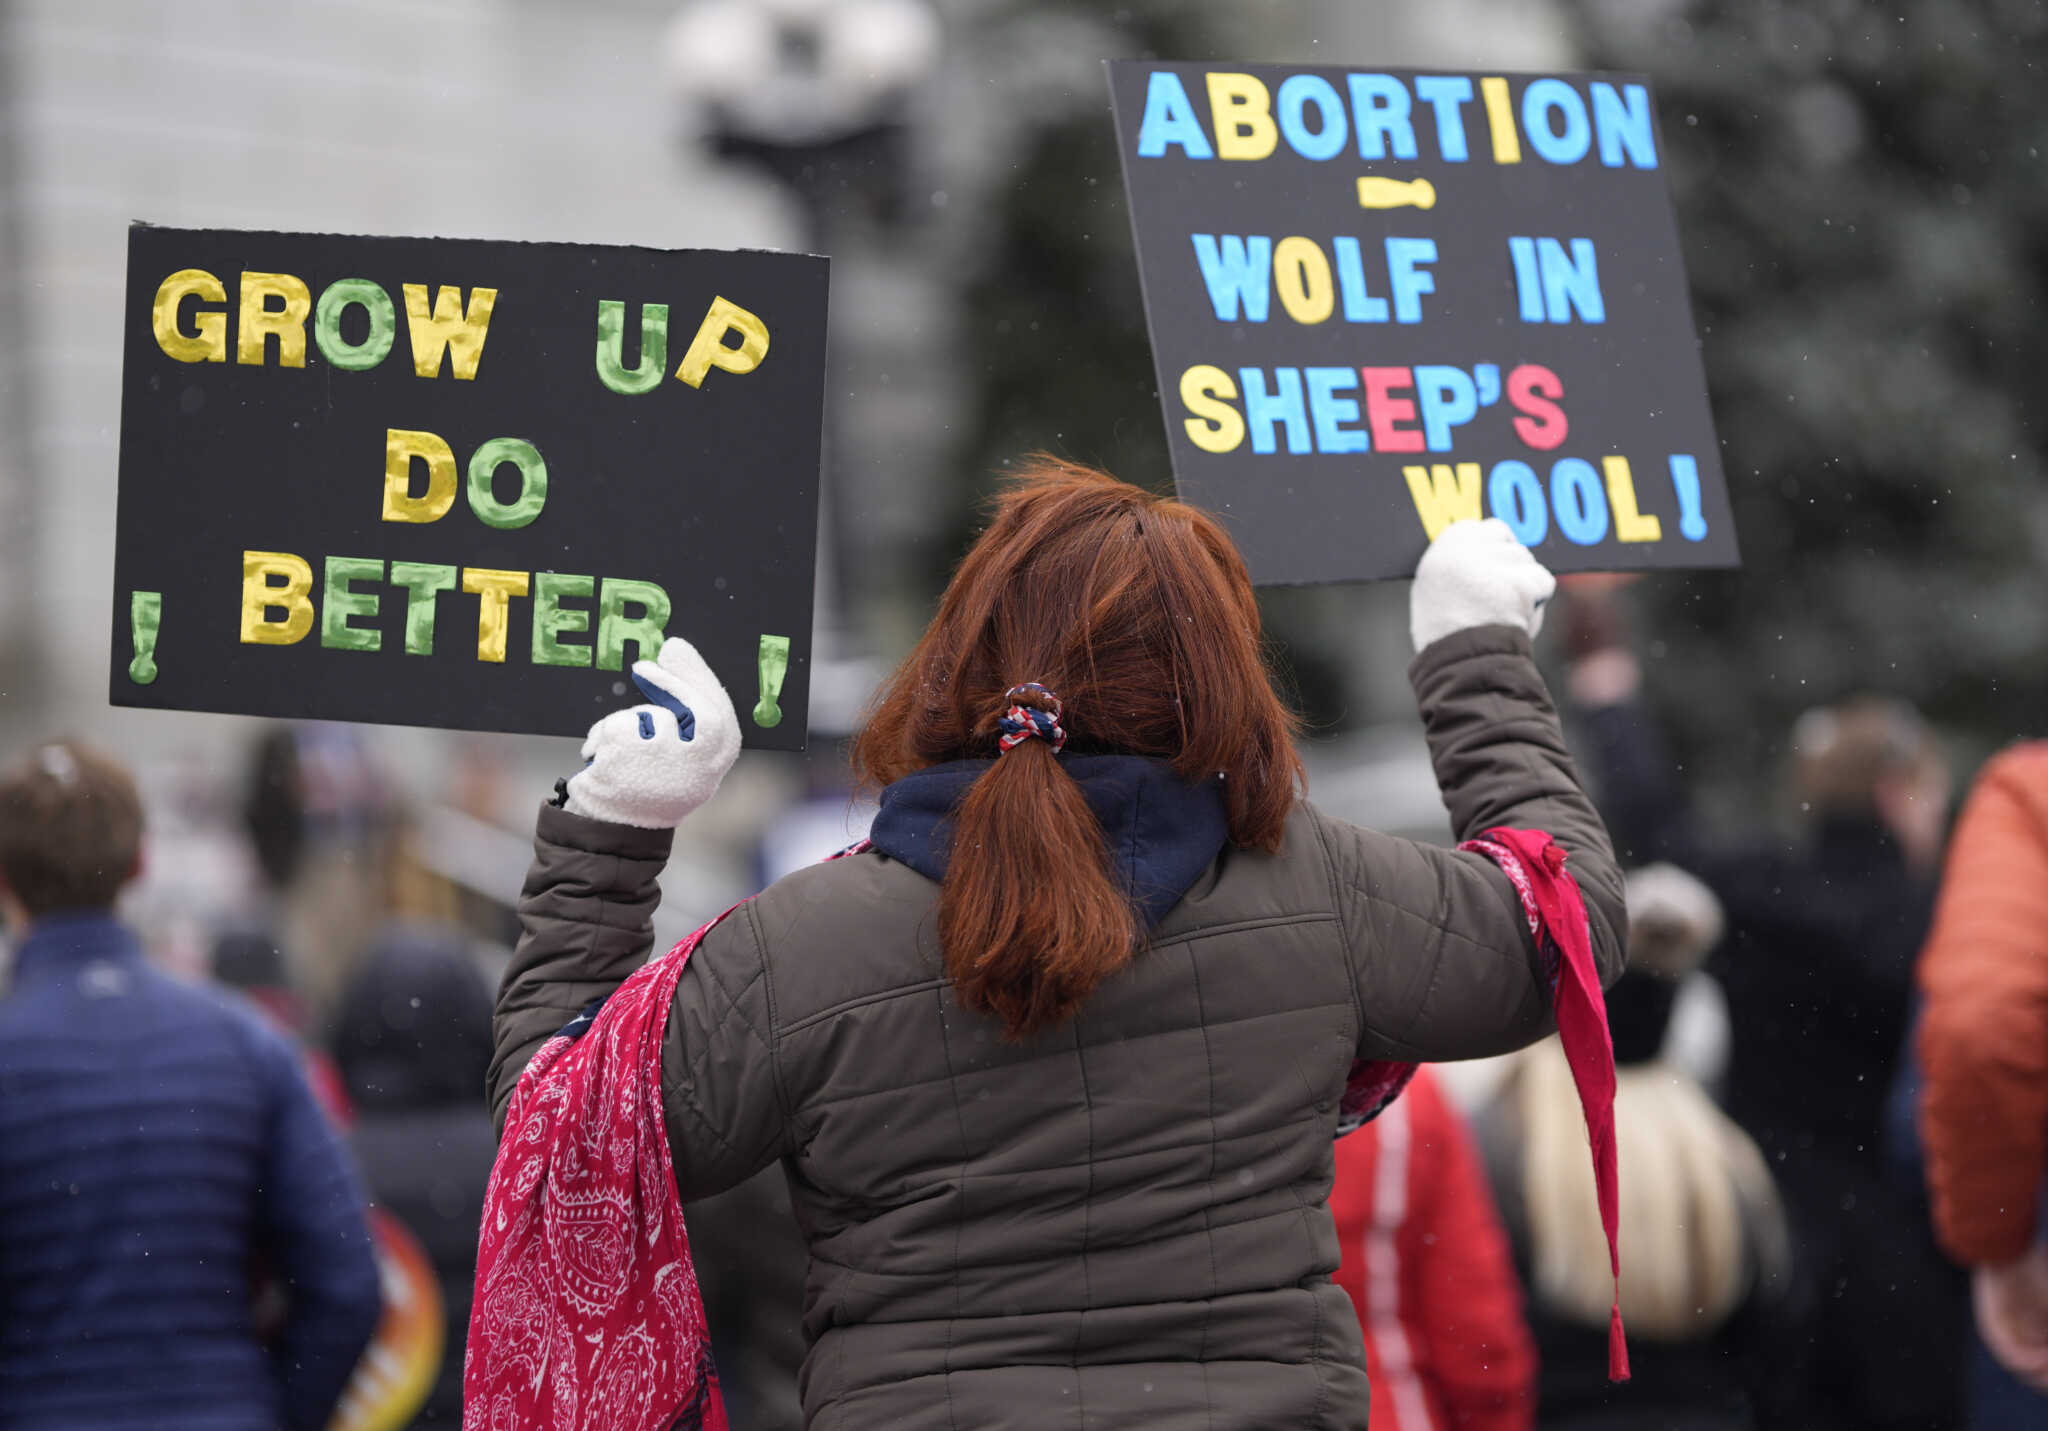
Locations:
{"points": [[1570, 283], [1623, 121], [1262, 410], [1445, 93], [1170, 119], [1331, 411], [1537, 100], [1239, 270], [1581, 505], [1379, 107], [1447, 399], [1296, 93], [1407, 284], [1516, 497], [1528, 281], [1359, 305]]}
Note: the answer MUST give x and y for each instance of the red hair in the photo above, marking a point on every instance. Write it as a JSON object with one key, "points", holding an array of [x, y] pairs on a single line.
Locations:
{"points": [[1136, 611]]}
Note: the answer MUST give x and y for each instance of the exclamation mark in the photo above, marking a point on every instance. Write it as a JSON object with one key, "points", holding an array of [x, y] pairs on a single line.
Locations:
{"points": [[774, 666], [145, 614], [1685, 480]]}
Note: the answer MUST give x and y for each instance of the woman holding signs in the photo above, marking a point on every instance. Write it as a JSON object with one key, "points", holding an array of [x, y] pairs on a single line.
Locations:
{"points": [[1055, 1061]]}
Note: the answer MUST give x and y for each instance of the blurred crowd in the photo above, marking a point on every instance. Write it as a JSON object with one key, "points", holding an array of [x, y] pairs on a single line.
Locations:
{"points": [[1779, 1123]]}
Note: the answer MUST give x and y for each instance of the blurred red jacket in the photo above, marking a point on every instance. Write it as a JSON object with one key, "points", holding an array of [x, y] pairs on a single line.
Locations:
{"points": [[1428, 1267]]}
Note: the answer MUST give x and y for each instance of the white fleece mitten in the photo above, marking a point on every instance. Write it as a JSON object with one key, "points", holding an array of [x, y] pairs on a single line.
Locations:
{"points": [[653, 764], [1476, 574]]}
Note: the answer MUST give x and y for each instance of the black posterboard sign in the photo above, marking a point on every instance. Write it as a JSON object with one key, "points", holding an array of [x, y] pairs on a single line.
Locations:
{"points": [[463, 484], [1382, 301]]}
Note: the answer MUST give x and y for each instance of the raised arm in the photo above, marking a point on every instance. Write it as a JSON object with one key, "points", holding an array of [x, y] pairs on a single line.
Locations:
{"points": [[586, 921], [1446, 965], [586, 913]]}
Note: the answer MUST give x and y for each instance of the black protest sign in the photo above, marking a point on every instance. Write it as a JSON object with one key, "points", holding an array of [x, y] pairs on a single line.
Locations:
{"points": [[1383, 301], [463, 484]]}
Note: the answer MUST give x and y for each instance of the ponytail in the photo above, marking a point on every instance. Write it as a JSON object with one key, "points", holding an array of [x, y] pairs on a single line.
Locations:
{"points": [[1138, 610], [1029, 918]]}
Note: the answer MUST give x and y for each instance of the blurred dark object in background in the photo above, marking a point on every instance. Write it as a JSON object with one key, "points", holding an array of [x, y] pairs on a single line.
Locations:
{"points": [[1822, 933], [413, 1041], [1861, 200], [751, 1264], [274, 807], [246, 958], [815, 94]]}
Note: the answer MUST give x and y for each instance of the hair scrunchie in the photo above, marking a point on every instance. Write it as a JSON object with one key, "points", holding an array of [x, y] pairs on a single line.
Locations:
{"points": [[1021, 722]]}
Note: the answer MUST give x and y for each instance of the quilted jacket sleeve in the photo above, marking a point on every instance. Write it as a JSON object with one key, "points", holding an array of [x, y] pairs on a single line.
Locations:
{"points": [[586, 921], [721, 1077], [1984, 1031], [1444, 961]]}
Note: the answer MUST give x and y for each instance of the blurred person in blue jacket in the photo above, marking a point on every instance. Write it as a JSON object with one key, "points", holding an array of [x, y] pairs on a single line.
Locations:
{"points": [[158, 1145]]}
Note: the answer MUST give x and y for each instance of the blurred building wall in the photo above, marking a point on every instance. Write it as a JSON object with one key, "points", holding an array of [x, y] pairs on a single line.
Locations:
{"points": [[546, 119]]}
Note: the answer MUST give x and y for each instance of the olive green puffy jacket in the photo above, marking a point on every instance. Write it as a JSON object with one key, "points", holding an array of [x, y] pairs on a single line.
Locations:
{"points": [[1121, 1222]]}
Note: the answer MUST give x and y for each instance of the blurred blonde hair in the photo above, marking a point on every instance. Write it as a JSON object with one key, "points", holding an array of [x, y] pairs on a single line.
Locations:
{"points": [[1700, 1217]]}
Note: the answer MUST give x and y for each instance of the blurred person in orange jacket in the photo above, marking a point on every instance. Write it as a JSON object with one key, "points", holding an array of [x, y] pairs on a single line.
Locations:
{"points": [[1983, 1045], [1428, 1267]]}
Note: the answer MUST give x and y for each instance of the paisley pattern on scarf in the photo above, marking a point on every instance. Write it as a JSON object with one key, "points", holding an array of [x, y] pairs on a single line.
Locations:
{"points": [[588, 1316]]}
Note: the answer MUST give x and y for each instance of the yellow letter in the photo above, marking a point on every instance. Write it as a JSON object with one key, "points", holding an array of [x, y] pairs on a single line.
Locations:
{"points": [[1242, 113], [1216, 426], [258, 322], [1630, 525], [208, 342], [1443, 496], [708, 352], [400, 448], [1500, 119], [492, 616], [1301, 276], [259, 594], [461, 333]]}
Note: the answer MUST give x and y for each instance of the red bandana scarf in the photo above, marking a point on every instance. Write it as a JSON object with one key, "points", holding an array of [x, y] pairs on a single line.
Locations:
{"points": [[588, 1316], [1534, 863]]}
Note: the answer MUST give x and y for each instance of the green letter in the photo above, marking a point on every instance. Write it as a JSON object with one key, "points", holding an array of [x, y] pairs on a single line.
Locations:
{"points": [[533, 483], [422, 581], [340, 603], [646, 375], [327, 324], [549, 619], [615, 629]]}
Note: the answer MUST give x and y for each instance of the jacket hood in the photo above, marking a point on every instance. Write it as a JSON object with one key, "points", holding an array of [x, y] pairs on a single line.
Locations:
{"points": [[1162, 833], [415, 1024]]}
